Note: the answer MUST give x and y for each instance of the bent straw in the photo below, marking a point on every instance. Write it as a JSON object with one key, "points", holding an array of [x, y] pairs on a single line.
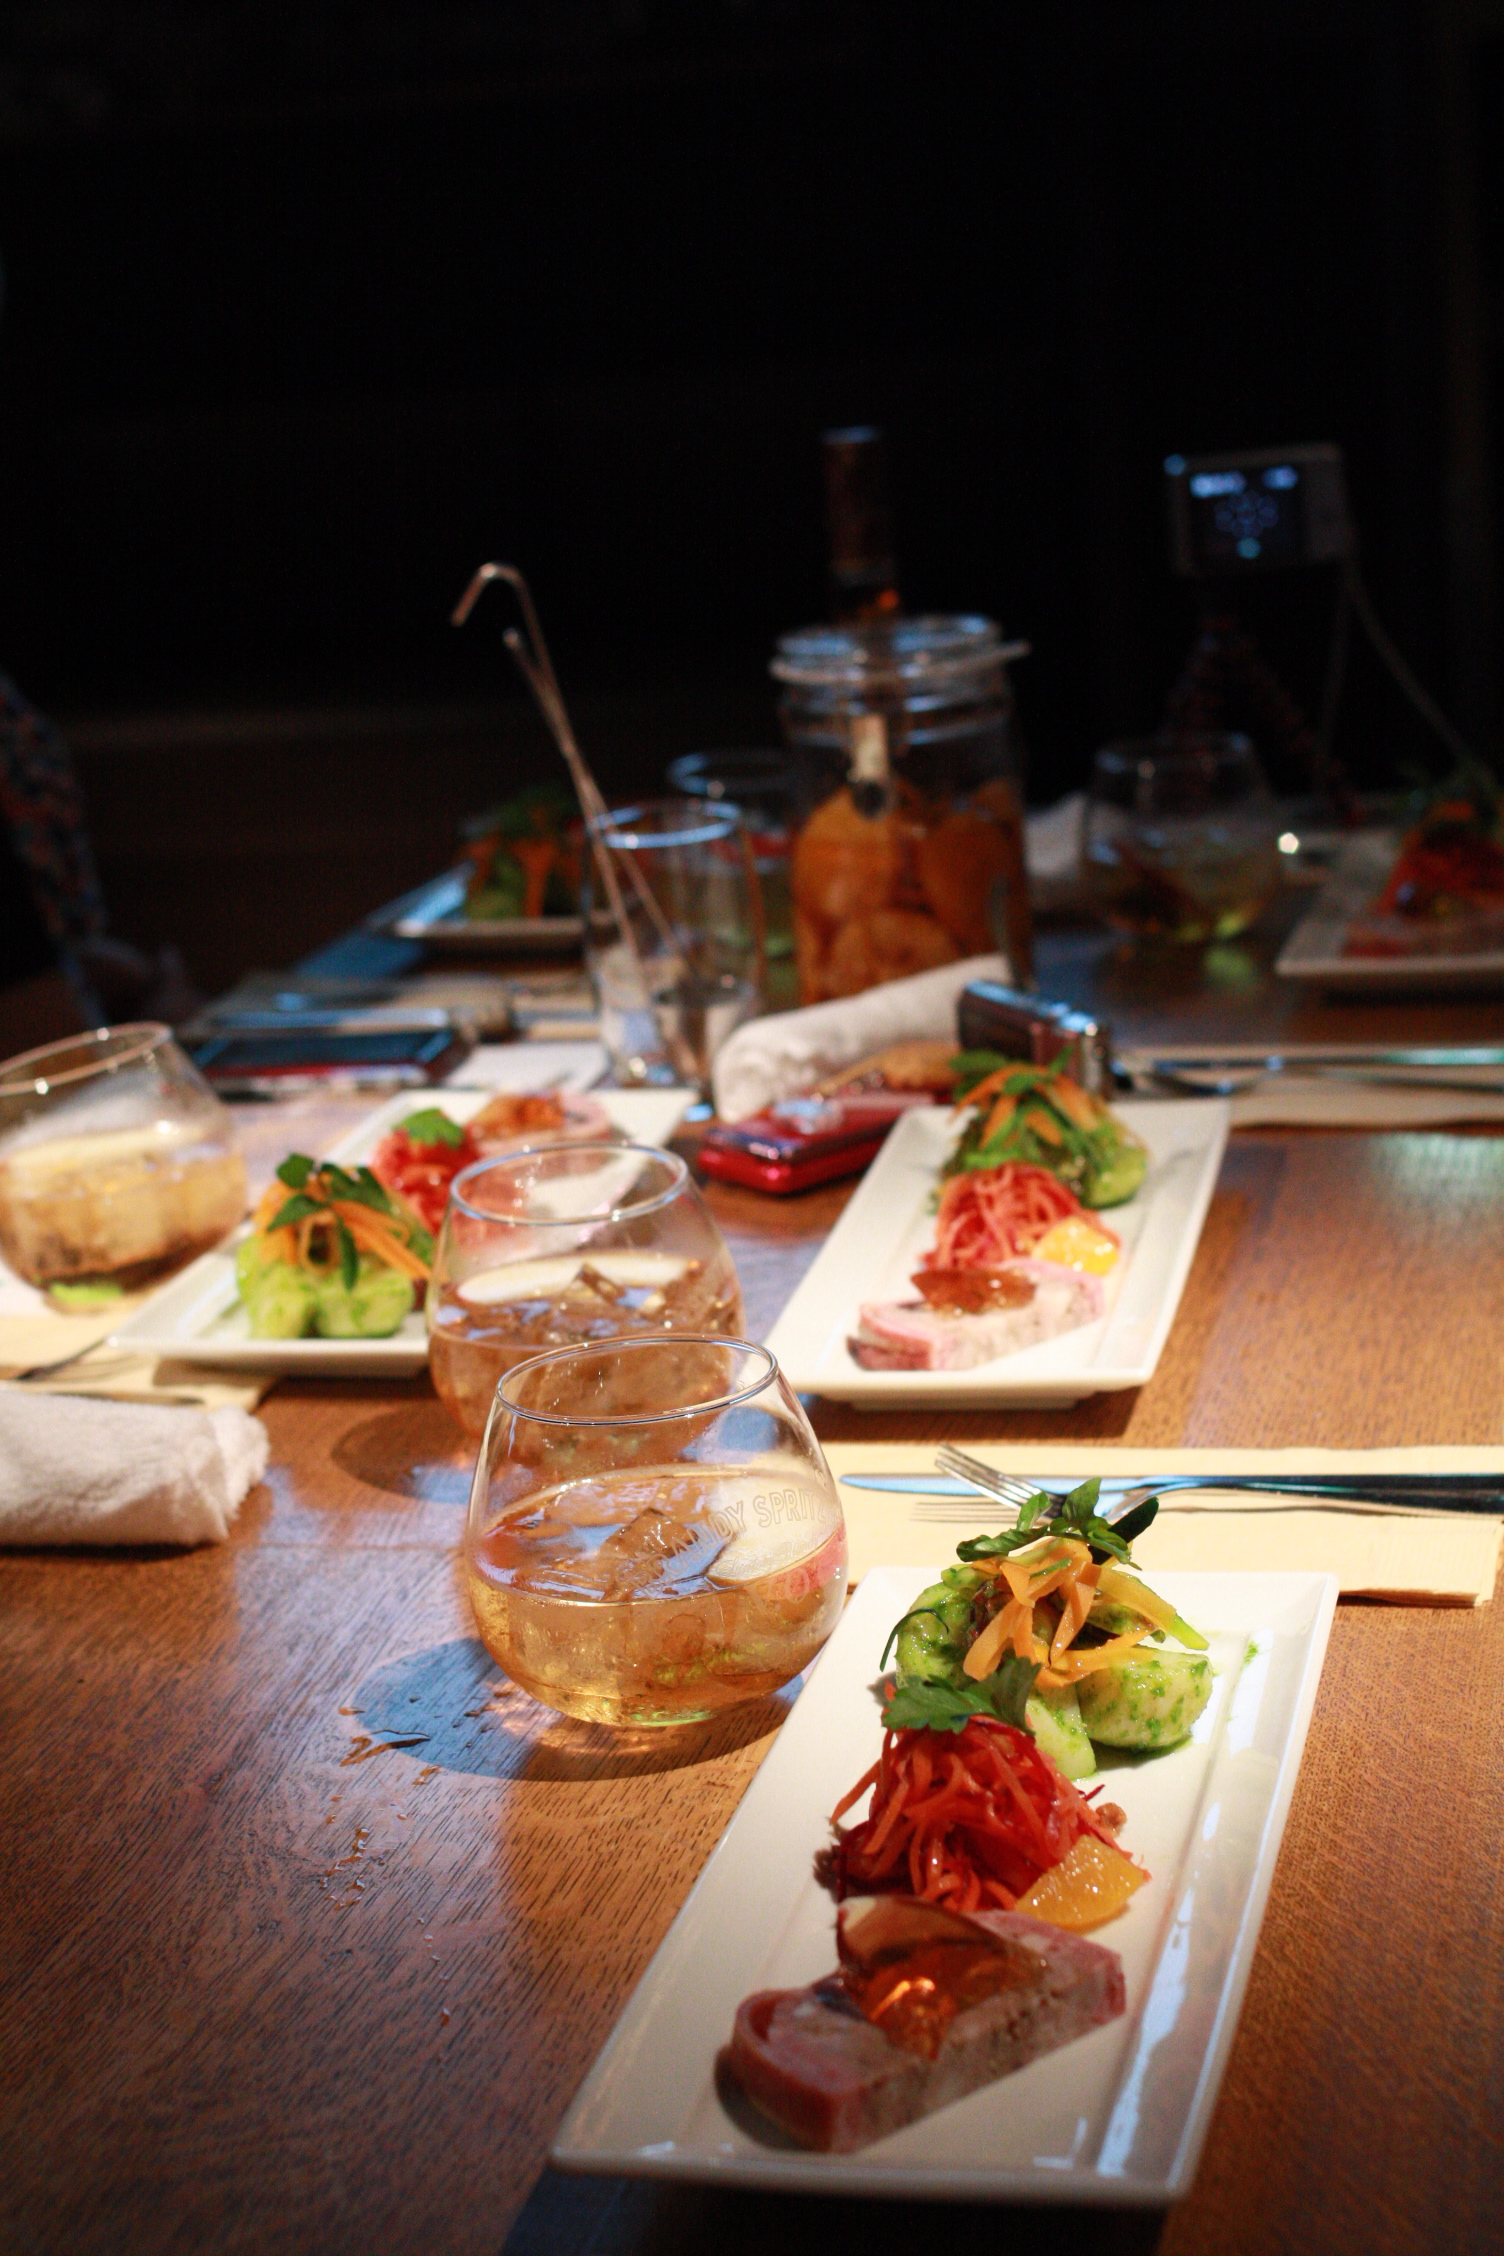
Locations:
{"points": [[536, 667]]}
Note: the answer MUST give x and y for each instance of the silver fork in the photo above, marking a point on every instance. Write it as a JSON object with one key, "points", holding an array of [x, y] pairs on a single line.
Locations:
{"points": [[1006, 1487], [1303, 1496]]}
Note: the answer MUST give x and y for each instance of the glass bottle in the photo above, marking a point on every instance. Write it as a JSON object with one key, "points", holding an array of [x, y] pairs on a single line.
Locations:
{"points": [[908, 851]]}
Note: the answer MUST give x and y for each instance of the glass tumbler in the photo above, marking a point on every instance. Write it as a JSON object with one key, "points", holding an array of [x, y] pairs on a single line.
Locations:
{"points": [[762, 784], [686, 966], [1180, 837], [555, 1247], [654, 1534], [118, 1163]]}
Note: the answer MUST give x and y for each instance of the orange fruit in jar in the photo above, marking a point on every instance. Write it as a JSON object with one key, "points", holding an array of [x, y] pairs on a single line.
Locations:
{"points": [[959, 862], [844, 865], [1090, 1884], [890, 944]]}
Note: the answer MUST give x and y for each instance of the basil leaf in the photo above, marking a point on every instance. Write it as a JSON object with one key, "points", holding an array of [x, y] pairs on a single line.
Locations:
{"points": [[1134, 1523], [349, 1259], [432, 1127], [296, 1209], [295, 1170], [1081, 1504], [362, 1189]]}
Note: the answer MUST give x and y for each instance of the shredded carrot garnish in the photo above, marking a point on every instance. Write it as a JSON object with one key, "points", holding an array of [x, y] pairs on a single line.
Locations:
{"points": [[969, 1819]]}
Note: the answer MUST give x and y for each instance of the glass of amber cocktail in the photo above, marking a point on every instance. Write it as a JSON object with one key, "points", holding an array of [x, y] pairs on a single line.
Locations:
{"points": [[551, 1248], [654, 1534]]}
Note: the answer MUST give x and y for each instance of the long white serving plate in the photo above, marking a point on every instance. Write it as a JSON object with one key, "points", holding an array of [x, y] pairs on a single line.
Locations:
{"points": [[197, 1318], [875, 1246], [1116, 2117], [1313, 951]]}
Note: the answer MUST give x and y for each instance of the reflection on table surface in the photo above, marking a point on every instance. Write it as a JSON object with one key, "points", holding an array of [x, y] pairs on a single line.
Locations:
{"points": [[316, 1924]]}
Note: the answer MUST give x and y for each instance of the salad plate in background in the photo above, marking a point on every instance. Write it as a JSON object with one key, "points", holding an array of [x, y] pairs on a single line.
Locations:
{"points": [[1319, 950], [876, 1245], [199, 1317]]}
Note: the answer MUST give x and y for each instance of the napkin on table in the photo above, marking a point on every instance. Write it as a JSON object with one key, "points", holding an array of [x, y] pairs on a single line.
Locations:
{"points": [[789, 1051], [1428, 1560], [53, 1353], [1292, 1099], [79, 1471]]}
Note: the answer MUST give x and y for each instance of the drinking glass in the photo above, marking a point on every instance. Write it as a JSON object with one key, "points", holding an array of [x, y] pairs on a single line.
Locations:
{"points": [[117, 1161], [654, 1533], [551, 1247], [688, 968], [1180, 837], [762, 784]]}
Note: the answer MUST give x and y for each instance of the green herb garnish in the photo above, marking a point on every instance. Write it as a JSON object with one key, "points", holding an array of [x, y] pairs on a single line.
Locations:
{"points": [[1075, 1515], [296, 1209], [950, 1707], [432, 1127]]}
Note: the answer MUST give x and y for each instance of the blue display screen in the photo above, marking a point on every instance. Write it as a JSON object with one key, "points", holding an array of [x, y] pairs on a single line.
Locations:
{"points": [[1248, 517]]}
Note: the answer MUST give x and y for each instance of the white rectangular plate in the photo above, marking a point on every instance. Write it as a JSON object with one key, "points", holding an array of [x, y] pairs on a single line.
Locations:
{"points": [[1313, 951], [875, 1247], [197, 1318], [1119, 2115], [434, 914]]}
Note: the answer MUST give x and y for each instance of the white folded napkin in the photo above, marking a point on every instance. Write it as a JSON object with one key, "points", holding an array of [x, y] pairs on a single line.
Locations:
{"points": [[80, 1471], [788, 1052]]}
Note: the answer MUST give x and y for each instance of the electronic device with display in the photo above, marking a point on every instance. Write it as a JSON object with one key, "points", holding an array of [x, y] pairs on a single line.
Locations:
{"points": [[1265, 509], [1262, 510]]}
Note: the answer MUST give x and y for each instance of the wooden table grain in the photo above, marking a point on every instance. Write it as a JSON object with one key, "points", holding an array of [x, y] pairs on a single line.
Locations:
{"points": [[273, 1982]]}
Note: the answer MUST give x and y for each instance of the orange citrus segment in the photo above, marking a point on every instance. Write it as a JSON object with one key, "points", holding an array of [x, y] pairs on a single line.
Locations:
{"points": [[1089, 1885]]}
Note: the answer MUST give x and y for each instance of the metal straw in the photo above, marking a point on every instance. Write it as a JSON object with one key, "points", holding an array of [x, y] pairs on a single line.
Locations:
{"points": [[536, 667]]}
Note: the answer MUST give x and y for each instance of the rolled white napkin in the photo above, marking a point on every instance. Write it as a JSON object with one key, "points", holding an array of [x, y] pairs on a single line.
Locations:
{"points": [[782, 1055], [74, 1470]]}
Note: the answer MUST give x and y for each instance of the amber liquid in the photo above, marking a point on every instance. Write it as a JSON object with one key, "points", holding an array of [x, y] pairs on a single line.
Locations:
{"points": [[131, 1204], [660, 1595], [472, 1342]]}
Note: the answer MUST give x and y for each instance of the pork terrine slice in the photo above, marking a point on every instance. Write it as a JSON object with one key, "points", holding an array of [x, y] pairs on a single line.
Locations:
{"points": [[826, 2075], [910, 1335]]}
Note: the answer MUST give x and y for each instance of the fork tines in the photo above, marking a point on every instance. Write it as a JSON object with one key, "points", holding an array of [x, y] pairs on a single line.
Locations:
{"points": [[1006, 1487]]}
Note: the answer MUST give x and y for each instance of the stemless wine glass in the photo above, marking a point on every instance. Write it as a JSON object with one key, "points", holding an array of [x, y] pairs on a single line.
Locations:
{"points": [[654, 1533], [1180, 837], [117, 1161], [549, 1247]]}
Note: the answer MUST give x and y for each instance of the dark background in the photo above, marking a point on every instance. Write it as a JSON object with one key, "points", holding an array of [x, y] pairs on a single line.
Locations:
{"points": [[312, 305]]}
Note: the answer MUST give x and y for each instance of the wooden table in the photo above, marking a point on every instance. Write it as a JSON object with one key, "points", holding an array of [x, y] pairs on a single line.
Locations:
{"points": [[264, 1990]]}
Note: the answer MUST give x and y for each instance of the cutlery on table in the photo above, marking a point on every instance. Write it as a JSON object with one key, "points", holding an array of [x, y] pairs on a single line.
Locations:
{"points": [[1238, 1067], [955, 1493]]}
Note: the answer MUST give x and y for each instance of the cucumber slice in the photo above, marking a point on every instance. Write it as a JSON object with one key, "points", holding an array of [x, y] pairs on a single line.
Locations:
{"points": [[1145, 1700], [1055, 1720]]}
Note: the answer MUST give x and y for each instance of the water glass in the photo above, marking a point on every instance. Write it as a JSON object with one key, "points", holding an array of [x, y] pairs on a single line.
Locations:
{"points": [[1180, 836], [764, 786], [578, 1242], [676, 959], [654, 1534]]}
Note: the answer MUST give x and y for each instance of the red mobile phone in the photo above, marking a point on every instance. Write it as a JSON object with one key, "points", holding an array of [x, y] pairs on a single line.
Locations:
{"points": [[805, 1140]]}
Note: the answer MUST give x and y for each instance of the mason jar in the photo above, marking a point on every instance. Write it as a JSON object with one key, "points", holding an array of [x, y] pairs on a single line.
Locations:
{"points": [[908, 845]]}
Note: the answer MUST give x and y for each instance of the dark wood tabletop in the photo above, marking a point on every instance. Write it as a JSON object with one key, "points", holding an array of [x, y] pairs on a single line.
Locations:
{"points": [[272, 1983]]}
